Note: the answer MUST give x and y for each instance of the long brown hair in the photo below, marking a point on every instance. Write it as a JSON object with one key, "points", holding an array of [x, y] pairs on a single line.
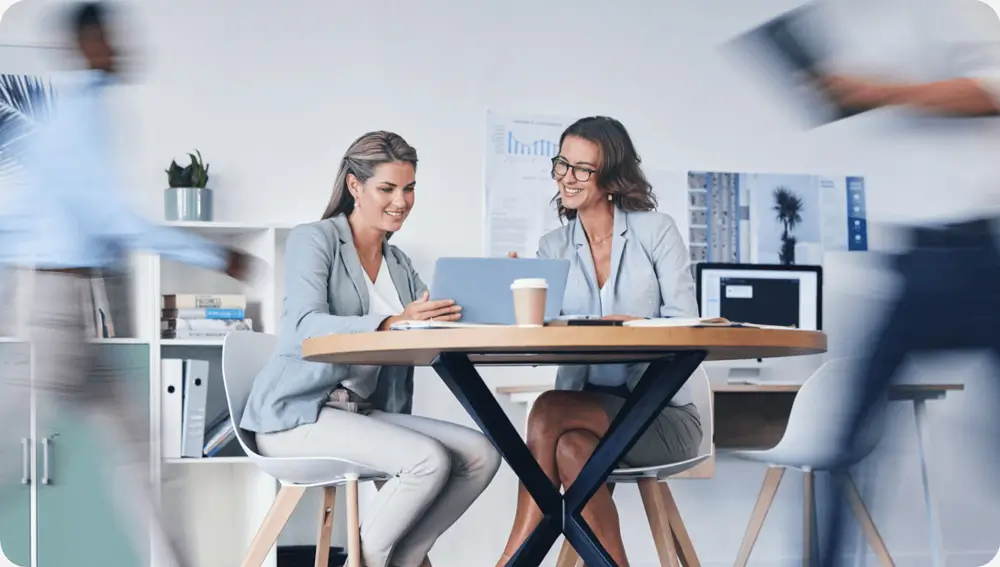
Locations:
{"points": [[620, 173], [362, 157]]}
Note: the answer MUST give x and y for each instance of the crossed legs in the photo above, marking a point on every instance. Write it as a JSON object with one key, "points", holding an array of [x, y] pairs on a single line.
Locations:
{"points": [[563, 430]]}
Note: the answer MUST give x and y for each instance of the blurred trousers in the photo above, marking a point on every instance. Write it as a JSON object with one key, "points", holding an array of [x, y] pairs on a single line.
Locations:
{"points": [[69, 374], [949, 301]]}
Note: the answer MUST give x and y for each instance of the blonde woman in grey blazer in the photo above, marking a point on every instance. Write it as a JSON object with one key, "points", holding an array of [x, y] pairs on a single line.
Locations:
{"points": [[627, 261], [343, 276]]}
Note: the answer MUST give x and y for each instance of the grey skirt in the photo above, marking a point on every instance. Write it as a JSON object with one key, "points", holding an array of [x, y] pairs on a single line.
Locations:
{"points": [[674, 435]]}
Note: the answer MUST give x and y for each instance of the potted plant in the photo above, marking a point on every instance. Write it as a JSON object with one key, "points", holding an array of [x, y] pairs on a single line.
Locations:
{"points": [[188, 197]]}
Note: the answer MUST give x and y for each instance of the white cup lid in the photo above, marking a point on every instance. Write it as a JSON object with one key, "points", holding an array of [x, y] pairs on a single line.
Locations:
{"points": [[533, 283]]}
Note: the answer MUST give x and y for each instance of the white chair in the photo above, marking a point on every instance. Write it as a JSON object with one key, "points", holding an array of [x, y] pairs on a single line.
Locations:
{"points": [[244, 354], [673, 544], [810, 444]]}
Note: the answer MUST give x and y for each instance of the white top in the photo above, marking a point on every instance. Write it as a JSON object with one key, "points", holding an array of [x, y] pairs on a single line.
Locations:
{"points": [[614, 375], [383, 299], [926, 168]]}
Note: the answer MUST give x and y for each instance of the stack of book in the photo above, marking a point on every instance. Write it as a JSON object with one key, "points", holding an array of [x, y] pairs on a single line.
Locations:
{"points": [[203, 316]]}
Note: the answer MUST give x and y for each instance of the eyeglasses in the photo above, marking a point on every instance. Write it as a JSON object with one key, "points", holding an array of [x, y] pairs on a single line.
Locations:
{"points": [[561, 166]]}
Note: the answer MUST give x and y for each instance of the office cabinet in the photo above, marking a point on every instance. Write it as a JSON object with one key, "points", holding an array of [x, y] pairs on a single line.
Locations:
{"points": [[78, 515], [15, 491]]}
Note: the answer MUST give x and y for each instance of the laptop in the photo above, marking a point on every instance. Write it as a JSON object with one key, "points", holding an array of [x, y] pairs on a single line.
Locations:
{"points": [[482, 286]]}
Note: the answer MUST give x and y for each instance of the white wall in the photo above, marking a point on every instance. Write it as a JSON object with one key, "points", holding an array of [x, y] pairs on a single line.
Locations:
{"points": [[272, 93]]}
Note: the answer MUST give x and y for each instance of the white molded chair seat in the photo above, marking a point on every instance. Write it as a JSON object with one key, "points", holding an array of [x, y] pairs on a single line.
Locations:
{"points": [[673, 544], [244, 354], [810, 443]]}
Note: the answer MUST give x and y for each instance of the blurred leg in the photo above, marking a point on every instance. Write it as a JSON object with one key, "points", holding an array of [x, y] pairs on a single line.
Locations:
{"points": [[949, 302], [889, 349], [67, 372]]}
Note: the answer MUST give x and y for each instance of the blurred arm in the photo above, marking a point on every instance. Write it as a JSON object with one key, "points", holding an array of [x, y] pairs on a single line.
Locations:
{"points": [[963, 96], [966, 36], [77, 172]]}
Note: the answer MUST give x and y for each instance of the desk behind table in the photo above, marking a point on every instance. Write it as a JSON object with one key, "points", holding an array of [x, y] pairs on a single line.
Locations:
{"points": [[750, 416]]}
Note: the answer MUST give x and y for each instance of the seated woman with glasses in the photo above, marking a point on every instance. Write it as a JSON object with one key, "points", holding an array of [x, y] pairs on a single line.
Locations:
{"points": [[627, 262]]}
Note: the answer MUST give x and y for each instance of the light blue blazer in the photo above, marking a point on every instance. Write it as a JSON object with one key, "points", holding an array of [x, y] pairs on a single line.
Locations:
{"points": [[650, 277], [325, 293]]}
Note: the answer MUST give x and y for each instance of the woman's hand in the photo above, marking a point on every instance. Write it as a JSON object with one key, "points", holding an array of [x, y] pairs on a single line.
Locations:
{"points": [[512, 254], [620, 318], [425, 310]]}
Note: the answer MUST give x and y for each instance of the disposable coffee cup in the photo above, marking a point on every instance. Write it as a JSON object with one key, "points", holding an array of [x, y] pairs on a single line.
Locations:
{"points": [[529, 301]]}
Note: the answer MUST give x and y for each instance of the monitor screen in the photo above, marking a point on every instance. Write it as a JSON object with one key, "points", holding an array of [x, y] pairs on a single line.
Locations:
{"points": [[788, 296]]}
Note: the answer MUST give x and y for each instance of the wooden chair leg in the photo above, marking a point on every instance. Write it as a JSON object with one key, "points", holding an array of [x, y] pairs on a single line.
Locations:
{"points": [[682, 540], [281, 509], [568, 557], [810, 536], [864, 518], [659, 523], [353, 524], [325, 527], [764, 500]]}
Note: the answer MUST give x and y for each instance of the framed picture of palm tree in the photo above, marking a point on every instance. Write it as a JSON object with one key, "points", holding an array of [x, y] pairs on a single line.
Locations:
{"points": [[774, 218]]}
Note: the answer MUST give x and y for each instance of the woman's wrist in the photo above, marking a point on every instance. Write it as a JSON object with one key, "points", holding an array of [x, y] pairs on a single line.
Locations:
{"points": [[388, 322]]}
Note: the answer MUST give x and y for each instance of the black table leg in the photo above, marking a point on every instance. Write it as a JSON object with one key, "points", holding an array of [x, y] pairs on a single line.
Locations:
{"points": [[461, 377], [657, 386], [563, 513]]}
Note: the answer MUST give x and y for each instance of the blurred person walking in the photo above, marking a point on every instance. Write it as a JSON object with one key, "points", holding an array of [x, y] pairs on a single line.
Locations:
{"points": [[66, 224], [939, 62]]}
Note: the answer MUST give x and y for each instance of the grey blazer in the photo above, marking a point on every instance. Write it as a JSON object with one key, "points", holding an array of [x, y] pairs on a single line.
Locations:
{"points": [[325, 293], [650, 277]]}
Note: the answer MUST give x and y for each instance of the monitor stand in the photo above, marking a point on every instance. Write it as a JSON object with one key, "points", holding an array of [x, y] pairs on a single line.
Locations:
{"points": [[743, 373], [740, 371]]}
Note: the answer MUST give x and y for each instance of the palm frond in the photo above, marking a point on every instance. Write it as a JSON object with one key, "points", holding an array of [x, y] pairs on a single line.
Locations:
{"points": [[26, 103]]}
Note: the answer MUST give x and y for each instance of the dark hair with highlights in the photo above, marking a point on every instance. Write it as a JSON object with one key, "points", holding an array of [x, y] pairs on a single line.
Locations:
{"points": [[620, 172]]}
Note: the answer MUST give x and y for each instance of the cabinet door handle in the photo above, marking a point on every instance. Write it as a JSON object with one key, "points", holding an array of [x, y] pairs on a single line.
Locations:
{"points": [[45, 461], [25, 461]]}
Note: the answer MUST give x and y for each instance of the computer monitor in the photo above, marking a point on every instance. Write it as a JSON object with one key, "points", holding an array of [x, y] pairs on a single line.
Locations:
{"points": [[765, 294]]}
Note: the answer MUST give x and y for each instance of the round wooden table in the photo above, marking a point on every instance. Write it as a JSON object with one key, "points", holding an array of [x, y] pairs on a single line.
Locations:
{"points": [[673, 354]]}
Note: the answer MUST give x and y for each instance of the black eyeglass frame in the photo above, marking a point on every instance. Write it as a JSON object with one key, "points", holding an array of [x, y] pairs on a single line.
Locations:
{"points": [[577, 169]]}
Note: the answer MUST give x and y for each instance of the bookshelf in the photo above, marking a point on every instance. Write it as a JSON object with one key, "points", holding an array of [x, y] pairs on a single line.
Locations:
{"points": [[220, 500]]}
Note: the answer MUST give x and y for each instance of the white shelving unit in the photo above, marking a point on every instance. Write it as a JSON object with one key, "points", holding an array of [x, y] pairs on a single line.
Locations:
{"points": [[220, 501]]}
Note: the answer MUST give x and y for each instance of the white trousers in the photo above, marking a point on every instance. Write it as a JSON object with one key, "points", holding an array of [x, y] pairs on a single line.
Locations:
{"points": [[69, 374], [439, 469]]}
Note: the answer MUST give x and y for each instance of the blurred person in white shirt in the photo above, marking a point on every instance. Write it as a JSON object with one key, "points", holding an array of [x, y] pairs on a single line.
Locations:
{"points": [[925, 75]]}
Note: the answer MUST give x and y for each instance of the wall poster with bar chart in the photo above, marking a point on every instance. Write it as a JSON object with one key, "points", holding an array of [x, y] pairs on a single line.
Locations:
{"points": [[519, 185]]}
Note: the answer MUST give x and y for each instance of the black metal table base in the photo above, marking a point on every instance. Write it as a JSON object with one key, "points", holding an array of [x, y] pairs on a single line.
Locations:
{"points": [[562, 513]]}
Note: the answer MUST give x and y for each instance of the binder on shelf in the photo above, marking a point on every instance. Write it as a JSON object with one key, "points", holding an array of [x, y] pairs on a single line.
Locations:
{"points": [[195, 398], [171, 406], [102, 309]]}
